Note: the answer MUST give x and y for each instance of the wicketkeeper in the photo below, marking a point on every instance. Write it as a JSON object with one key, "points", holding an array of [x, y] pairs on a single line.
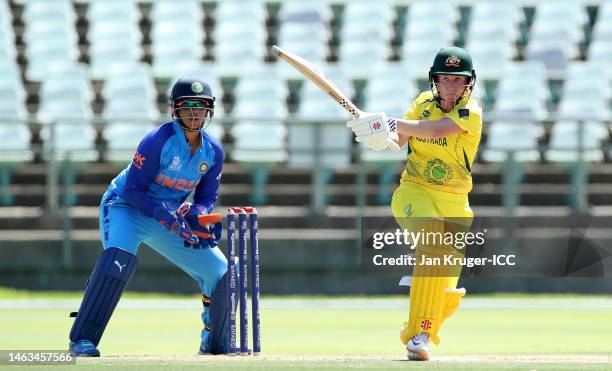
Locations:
{"points": [[145, 203], [442, 129]]}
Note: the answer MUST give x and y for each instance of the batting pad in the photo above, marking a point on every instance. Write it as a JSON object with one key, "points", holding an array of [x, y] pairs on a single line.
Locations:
{"points": [[452, 300], [433, 296], [112, 272]]}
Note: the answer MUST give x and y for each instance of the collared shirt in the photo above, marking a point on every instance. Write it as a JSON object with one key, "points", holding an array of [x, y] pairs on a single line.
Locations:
{"points": [[444, 163], [163, 172]]}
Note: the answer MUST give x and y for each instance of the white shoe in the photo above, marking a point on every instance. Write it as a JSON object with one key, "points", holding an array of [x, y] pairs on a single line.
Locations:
{"points": [[417, 347]]}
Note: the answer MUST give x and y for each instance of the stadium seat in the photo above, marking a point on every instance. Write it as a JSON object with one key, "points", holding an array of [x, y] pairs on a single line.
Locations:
{"points": [[118, 88], [73, 146], [253, 110], [259, 145], [262, 93], [373, 32], [519, 137], [565, 142], [61, 10], [113, 11], [167, 10], [12, 101], [304, 29], [357, 58], [172, 46], [422, 11], [237, 11], [113, 42], [555, 33], [122, 139], [46, 59], [107, 56], [554, 56], [334, 139], [232, 61], [54, 90], [602, 30], [205, 70], [294, 32], [14, 151], [419, 56], [50, 36], [74, 142], [240, 35], [167, 60], [305, 11], [215, 129], [135, 108], [489, 63], [394, 98], [386, 163], [434, 33], [578, 107], [600, 51], [362, 11]]}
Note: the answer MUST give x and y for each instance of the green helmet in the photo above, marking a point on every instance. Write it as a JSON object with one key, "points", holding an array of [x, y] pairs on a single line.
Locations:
{"points": [[452, 61]]}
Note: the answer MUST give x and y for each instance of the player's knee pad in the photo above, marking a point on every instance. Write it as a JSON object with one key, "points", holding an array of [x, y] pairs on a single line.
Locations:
{"points": [[112, 272], [219, 318]]}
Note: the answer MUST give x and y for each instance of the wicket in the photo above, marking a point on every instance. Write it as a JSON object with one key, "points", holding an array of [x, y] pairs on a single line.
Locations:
{"points": [[241, 288]]}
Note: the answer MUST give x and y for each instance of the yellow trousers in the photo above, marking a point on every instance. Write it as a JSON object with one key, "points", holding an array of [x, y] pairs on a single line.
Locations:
{"points": [[433, 293]]}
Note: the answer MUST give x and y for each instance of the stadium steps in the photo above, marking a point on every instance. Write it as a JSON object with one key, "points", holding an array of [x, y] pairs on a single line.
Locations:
{"points": [[297, 221], [543, 185]]}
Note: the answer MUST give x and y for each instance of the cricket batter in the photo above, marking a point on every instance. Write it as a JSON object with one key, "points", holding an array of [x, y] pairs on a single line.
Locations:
{"points": [[145, 203], [442, 129]]}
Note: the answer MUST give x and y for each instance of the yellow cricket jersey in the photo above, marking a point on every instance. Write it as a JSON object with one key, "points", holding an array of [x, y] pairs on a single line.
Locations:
{"points": [[444, 163]]}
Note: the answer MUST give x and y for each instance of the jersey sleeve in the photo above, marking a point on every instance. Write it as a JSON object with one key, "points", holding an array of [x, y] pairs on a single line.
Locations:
{"points": [[468, 118], [207, 190], [141, 173], [415, 111]]}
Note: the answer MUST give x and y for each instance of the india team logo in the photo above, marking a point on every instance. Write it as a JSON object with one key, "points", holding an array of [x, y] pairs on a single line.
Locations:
{"points": [[197, 87], [438, 172], [202, 167]]}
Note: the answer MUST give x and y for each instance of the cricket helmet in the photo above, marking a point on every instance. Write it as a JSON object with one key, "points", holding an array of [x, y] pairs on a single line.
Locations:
{"points": [[192, 93], [452, 61]]}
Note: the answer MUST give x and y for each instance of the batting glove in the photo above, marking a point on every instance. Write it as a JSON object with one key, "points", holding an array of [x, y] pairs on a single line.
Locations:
{"points": [[376, 130]]}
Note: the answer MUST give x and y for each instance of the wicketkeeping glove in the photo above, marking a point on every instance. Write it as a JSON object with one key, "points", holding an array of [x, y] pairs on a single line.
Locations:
{"points": [[376, 130], [181, 229], [207, 227]]}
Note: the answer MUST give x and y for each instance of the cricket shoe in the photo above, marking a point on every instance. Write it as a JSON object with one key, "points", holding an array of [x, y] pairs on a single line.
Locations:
{"points": [[83, 348], [417, 347]]}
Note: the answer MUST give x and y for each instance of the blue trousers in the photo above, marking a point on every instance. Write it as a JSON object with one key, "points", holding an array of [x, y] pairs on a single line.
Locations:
{"points": [[124, 227]]}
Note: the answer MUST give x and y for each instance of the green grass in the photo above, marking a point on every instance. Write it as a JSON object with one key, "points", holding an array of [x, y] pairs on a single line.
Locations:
{"points": [[331, 331]]}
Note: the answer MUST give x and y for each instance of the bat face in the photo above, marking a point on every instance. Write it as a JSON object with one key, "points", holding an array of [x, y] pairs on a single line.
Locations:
{"points": [[316, 76]]}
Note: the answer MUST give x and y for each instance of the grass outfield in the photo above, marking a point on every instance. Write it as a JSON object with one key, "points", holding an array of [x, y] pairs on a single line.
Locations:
{"points": [[156, 332]]}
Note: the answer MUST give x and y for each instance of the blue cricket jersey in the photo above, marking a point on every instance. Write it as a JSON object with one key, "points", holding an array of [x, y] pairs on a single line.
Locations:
{"points": [[163, 173]]}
